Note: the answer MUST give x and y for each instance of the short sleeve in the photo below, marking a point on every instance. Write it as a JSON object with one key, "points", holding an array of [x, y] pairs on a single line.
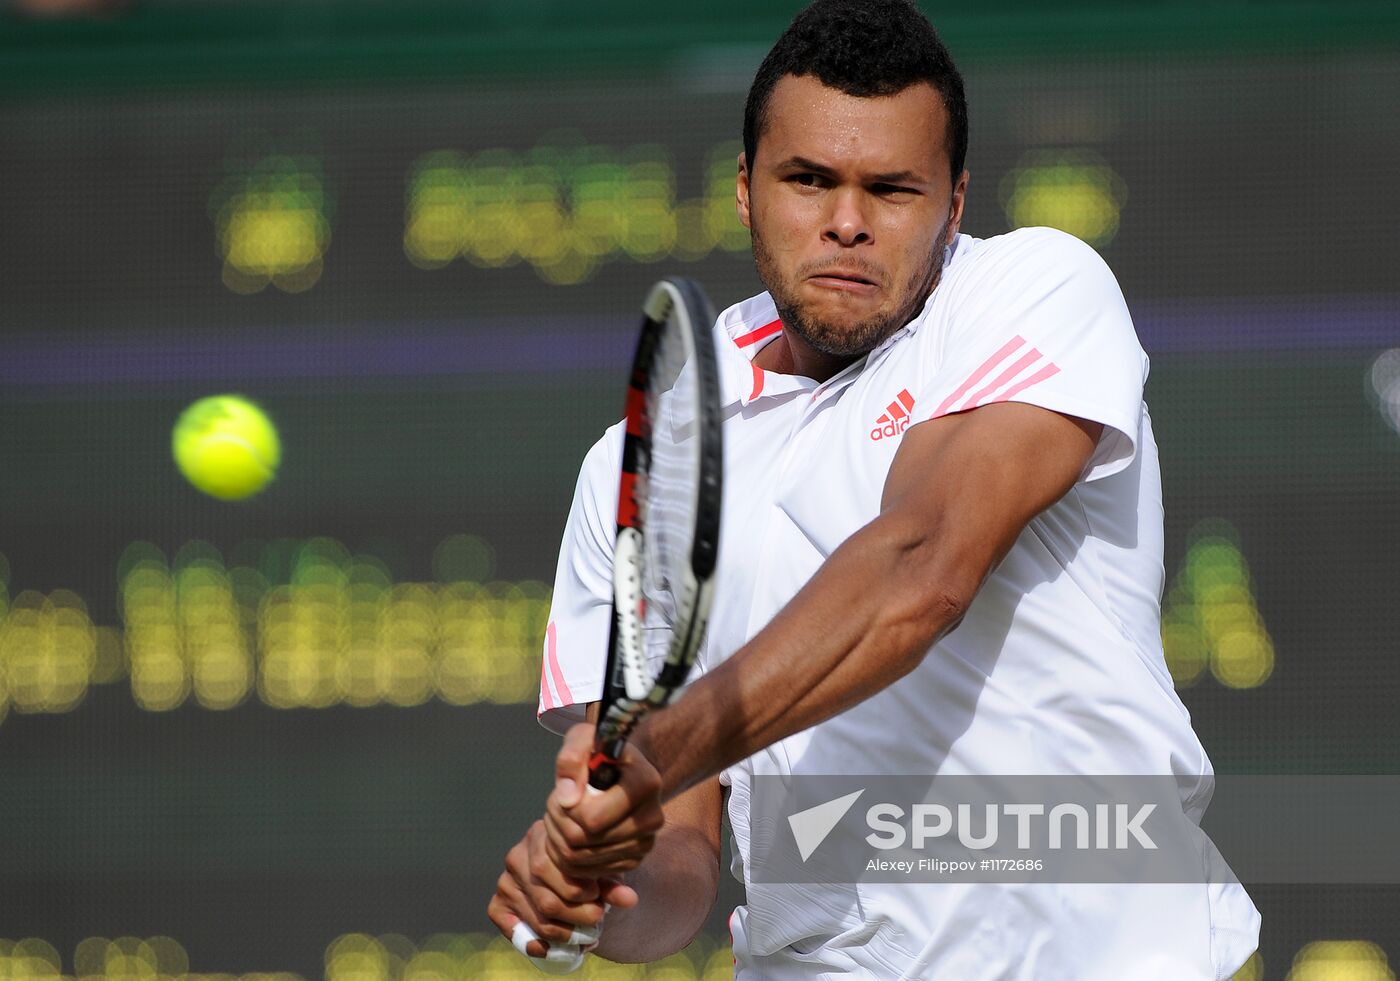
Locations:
{"points": [[576, 638], [1036, 316]]}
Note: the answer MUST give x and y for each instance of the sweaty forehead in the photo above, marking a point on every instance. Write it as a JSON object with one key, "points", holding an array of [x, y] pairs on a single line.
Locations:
{"points": [[899, 132]]}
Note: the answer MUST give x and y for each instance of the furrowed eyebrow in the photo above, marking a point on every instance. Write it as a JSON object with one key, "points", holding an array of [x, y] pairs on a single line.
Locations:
{"points": [[802, 163], [894, 177], [898, 177]]}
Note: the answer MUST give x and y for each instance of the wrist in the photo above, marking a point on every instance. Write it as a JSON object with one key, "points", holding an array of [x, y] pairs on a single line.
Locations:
{"points": [[649, 740], [656, 738]]}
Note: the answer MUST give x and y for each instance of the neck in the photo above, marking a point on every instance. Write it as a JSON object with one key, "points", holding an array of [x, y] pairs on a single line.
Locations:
{"points": [[787, 354]]}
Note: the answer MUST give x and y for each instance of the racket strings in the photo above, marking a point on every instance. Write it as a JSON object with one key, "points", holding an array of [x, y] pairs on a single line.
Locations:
{"points": [[667, 504]]}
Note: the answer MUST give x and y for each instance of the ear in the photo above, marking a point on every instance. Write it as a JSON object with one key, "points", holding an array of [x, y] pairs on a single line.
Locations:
{"points": [[955, 211], [741, 191]]}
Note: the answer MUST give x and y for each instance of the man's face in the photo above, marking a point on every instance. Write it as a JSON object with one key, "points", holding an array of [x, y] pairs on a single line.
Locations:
{"points": [[850, 204]]}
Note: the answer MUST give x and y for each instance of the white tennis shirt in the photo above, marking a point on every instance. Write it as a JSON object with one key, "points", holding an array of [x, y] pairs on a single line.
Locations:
{"points": [[1057, 667]]}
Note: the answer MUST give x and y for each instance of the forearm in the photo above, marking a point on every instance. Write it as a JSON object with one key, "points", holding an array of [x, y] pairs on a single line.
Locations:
{"points": [[863, 621], [676, 886]]}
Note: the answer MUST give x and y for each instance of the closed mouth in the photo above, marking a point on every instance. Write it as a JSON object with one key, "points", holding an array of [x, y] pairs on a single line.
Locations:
{"points": [[849, 277]]}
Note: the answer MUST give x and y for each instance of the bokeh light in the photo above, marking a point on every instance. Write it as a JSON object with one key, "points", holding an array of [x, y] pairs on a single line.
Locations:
{"points": [[360, 957], [490, 957], [1341, 960], [273, 221], [1210, 619], [337, 631], [565, 207], [1252, 969], [1073, 190], [30, 958], [48, 650]]}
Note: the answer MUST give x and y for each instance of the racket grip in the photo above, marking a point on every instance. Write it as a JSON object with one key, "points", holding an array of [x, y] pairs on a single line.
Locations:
{"points": [[565, 958], [604, 768]]}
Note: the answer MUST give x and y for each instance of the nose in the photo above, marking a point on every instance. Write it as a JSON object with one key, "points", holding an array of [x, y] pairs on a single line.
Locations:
{"points": [[845, 222]]}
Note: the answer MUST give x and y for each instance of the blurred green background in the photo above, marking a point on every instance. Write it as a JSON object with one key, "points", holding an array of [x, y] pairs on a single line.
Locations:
{"points": [[296, 734]]}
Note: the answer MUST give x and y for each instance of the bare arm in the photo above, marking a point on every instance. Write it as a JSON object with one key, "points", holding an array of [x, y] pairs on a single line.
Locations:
{"points": [[960, 491]]}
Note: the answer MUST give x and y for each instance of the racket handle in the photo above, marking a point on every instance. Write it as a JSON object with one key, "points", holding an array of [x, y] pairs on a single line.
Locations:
{"points": [[604, 767], [560, 958]]}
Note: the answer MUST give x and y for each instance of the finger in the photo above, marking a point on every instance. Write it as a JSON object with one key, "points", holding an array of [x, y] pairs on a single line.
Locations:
{"points": [[592, 861], [560, 827], [529, 862], [571, 764], [541, 869], [503, 917], [556, 897], [588, 824], [617, 814], [617, 893], [520, 902], [581, 862], [562, 959]]}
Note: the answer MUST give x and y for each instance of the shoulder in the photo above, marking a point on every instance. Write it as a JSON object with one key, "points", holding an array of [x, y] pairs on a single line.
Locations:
{"points": [[1030, 269], [597, 476], [1027, 254]]}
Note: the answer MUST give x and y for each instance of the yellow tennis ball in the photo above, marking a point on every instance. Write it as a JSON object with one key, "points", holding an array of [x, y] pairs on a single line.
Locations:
{"points": [[226, 446]]}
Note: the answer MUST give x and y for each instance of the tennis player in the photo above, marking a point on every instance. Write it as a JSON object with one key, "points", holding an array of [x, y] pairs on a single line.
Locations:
{"points": [[941, 555]]}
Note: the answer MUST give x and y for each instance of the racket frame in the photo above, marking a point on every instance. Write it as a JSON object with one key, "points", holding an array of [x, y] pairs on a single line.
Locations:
{"points": [[629, 691]]}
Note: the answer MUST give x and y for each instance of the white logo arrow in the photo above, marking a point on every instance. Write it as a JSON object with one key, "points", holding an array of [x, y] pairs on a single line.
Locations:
{"points": [[810, 827]]}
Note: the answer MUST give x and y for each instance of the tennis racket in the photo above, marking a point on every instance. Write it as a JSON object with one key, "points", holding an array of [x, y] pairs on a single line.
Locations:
{"points": [[667, 537]]}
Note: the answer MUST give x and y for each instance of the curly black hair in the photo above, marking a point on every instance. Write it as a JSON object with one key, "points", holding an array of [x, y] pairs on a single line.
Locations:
{"points": [[863, 48]]}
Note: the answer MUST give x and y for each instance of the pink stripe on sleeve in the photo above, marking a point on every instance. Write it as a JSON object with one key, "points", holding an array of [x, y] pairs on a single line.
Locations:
{"points": [[979, 374], [546, 701], [555, 671], [1022, 363], [1048, 371]]}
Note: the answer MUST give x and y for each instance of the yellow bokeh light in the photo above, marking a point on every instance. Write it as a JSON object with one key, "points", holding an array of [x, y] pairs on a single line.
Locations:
{"points": [[32, 958], [340, 632], [1075, 191], [48, 652], [1341, 960], [353, 957], [564, 210], [273, 225], [1210, 617], [1252, 970], [1243, 658], [1186, 655]]}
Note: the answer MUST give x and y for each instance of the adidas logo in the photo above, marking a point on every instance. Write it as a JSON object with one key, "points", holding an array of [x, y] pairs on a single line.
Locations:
{"points": [[896, 418]]}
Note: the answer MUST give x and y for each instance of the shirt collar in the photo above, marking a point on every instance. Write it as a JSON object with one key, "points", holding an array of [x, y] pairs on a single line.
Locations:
{"points": [[740, 333], [742, 330]]}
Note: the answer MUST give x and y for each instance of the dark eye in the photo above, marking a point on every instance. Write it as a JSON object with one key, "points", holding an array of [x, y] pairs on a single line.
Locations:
{"points": [[886, 190], [806, 180]]}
